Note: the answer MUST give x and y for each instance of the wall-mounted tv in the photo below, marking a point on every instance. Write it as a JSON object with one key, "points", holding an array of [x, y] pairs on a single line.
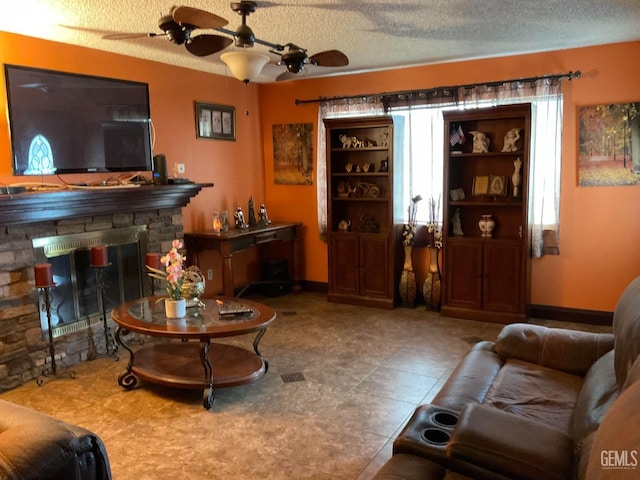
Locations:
{"points": [[68, 123]]}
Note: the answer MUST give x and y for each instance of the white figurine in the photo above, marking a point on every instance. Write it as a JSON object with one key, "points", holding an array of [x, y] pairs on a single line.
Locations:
{"points": [[480, 142], [457, 224], [511, 140]]}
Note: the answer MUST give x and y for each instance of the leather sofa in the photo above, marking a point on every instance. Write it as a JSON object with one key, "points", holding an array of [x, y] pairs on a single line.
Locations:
{"points": [[36, 446], [538, 403]]}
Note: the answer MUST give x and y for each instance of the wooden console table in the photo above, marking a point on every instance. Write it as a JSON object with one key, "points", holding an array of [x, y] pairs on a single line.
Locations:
{"points": [[236, 240]]}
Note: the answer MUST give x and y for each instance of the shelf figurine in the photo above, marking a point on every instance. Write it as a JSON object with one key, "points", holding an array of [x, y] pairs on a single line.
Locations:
{"points": [[480, 142], [262, 215], [511, 140], [239, 217]]}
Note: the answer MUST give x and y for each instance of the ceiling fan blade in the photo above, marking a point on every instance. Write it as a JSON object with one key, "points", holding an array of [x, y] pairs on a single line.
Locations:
{"points": [[203, 45], [284, 76], [197, 18], [130, 36], [329, 58]]}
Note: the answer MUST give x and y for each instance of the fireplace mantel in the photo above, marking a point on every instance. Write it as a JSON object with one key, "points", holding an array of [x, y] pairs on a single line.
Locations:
{"points": [[30, 207]]}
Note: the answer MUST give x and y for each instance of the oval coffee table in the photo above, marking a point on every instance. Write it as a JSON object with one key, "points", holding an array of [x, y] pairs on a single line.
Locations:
{"points": [[190, 364]]}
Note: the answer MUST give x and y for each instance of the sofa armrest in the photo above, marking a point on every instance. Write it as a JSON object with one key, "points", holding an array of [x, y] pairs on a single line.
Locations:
{"points": [[488, 442], [569, 351]]}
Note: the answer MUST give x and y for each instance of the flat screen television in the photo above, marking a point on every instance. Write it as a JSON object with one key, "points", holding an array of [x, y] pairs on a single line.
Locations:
{"points": [[68, 123]]}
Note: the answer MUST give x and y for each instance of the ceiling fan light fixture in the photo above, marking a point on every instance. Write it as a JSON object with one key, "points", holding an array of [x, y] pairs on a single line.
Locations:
{"points": [[245, 66]]}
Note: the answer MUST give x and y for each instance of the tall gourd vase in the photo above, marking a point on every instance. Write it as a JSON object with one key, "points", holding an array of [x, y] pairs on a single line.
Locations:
{"points": [[407, 287], [432, 287]]}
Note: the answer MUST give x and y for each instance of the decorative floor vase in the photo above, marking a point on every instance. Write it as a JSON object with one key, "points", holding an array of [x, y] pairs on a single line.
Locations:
{"points": [[407, 286], [431, 288], [175, 308]]}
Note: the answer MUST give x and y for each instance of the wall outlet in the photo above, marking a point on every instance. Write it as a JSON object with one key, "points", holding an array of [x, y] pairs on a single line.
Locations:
{"points": [[210, 274], [181, 168]]}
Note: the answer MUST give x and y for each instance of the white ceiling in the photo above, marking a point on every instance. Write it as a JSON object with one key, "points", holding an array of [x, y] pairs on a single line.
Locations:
{"points": [[374, 34]]}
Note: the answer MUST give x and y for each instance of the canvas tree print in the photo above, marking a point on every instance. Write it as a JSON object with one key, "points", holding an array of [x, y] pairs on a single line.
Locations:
{"points": [[610, 145], [293, 154]]}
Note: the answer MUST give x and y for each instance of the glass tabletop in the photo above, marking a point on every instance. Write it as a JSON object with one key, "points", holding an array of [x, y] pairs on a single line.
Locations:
{"points": [[220, 316]]}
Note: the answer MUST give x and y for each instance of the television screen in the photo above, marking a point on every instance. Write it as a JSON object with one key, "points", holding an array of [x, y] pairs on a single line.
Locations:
{"points": [[68, 123]]}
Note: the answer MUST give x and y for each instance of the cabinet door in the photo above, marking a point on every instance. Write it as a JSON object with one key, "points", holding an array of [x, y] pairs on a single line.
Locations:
{"points": [[344, 270], [463, 274], [502, 289], [374, 266]]}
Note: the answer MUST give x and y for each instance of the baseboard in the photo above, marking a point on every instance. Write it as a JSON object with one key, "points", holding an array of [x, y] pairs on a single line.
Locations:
{"points": [[315, 287], [576, 315]]}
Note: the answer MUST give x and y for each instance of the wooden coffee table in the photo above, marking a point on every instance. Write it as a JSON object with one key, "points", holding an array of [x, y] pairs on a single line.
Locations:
{"points": [[191, 364]]}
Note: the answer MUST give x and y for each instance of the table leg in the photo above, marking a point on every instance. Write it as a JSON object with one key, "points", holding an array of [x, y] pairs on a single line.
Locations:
{"points": [[207, 396], [227, 270], [256, 343], [127, 379]]}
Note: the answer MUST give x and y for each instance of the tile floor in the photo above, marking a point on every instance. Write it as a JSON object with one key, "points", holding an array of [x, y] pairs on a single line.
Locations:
{"points": [[363, 371]]}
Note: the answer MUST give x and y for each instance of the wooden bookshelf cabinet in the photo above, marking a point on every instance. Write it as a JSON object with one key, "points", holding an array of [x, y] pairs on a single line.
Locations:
{"points": [[486, 277], [360, 210]]}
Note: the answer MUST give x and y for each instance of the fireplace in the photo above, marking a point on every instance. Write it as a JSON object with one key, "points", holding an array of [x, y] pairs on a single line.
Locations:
{"points": [[75, 304]]}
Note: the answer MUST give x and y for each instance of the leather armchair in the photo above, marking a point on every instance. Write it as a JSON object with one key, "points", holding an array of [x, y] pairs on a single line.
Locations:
{"points": [[36, 446]]}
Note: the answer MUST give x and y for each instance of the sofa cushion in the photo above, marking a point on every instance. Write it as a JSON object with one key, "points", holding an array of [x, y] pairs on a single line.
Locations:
{"points": [[599, 390], [471, 379], [560, 349], [626, 329], [538, 393]]}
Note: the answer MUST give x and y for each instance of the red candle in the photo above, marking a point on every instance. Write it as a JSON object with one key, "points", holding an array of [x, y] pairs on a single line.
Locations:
{"points": [[99, 256], [153, 260], [44, 275]]}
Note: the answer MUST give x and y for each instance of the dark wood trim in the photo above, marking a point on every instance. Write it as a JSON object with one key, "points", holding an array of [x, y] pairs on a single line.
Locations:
{"points": [[30, 207], [576, 315], [315, 287]]}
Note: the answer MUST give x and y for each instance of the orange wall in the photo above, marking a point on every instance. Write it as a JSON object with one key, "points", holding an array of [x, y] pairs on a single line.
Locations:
{"points": [[600, 226], [234, 167]]}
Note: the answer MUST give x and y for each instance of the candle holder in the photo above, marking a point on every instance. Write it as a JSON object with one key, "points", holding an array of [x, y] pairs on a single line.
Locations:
{"points": [[53, 368], [111, 347]]}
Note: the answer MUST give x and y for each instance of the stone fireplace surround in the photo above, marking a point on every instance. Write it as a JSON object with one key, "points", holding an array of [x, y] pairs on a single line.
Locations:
{"points": [[25, 216]]}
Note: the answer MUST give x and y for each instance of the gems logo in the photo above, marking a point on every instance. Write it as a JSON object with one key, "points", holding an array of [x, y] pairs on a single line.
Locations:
{"points": [[619, 459]]}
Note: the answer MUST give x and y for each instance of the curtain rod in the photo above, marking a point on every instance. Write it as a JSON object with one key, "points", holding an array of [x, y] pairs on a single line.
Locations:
{"points": [[569, 75]]}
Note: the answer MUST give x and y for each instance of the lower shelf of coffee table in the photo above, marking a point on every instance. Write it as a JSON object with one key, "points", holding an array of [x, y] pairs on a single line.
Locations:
{"points": [[178, 364]]}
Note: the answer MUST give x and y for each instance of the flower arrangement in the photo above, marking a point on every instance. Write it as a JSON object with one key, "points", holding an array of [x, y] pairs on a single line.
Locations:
{"points": [[409, 229], [174, 272], [434, 226]]}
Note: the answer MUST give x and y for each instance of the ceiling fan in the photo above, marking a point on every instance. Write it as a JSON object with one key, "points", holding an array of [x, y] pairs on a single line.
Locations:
{"points": [[182, 22]]}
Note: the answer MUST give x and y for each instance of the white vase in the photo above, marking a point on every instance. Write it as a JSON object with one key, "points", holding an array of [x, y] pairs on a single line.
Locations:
{"points": [[175, 308], [486, 224]]}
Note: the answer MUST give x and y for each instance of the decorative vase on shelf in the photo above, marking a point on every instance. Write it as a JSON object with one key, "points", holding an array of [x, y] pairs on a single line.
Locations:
{"points": [[431, 288], [516, 177], [487, 224], [175, 308], [407, 286]]}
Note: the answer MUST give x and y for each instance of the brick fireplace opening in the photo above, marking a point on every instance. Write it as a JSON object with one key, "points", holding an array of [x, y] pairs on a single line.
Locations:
{"points": [[74, 300], [130, 222]]}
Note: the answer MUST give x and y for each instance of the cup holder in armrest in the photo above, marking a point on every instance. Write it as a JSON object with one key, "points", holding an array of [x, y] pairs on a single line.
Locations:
{"points": [[427, 433], [435, 436], [444, 419]]}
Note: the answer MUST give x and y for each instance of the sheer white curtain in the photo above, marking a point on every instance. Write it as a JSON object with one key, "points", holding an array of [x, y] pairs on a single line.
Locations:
{"points": [[350, 107]]}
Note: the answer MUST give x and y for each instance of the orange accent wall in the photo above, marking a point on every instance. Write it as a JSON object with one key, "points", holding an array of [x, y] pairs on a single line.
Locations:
{"points": [[600, 226]]}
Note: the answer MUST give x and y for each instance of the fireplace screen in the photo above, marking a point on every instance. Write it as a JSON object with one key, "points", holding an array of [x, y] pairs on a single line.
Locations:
{"points": [[75, 303]]}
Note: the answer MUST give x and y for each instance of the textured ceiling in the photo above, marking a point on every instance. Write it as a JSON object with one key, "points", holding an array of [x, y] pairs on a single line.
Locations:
{"points": [[374, 34]]}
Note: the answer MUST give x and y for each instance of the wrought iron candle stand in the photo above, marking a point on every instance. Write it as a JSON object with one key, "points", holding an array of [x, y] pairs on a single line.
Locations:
{"points": [[111, 347], [53, 368]]}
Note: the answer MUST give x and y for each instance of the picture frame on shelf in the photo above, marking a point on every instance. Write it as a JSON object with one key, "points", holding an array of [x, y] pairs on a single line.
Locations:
{"points": [[480, 185], [215, 122], [497, 185]]}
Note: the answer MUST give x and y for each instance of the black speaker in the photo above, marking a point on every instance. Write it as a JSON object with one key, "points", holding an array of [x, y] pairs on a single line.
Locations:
{"points": [[160, 176]]}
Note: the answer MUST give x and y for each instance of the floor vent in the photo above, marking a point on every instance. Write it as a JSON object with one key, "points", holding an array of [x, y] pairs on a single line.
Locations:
{"points": [[292, 377], [472, 340]]}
